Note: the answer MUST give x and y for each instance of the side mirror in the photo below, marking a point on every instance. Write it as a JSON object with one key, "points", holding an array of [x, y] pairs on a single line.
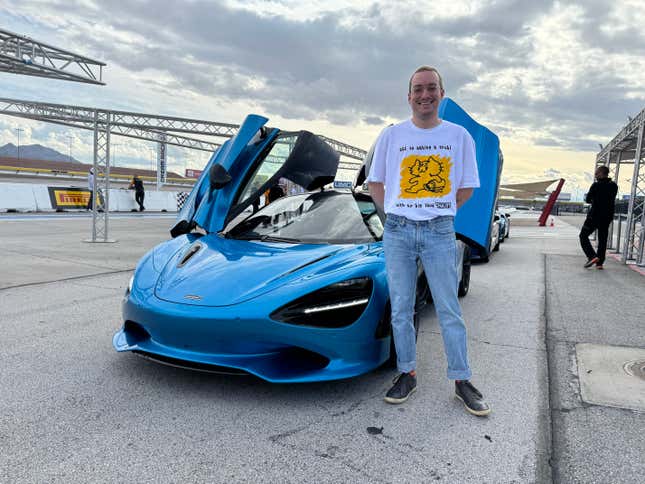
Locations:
{"points": [[219, 177]]}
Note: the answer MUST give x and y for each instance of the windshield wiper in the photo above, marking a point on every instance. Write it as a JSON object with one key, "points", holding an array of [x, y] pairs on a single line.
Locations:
{"points": [[263, 238], [275, 238], [228, 235]]}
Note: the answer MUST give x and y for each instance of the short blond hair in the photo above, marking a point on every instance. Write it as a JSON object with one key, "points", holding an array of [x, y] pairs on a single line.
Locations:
{"points": [[425, 69]]}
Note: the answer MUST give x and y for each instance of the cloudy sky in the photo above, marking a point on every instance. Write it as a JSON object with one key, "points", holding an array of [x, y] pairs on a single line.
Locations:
{"points": [[552, 79]]}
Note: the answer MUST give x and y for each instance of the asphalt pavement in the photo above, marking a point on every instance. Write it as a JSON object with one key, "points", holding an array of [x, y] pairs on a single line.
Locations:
{"points": [[73, 410]]}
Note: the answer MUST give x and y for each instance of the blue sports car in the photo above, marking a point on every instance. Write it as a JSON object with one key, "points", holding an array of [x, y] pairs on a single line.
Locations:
{"points": [[291, 291]]}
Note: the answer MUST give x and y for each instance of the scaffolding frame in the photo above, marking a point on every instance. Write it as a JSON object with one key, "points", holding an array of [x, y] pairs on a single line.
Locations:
{"points": [[162, 130], [626, 148], [23, 55]]}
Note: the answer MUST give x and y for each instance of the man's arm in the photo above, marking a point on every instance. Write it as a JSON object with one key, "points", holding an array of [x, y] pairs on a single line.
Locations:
{"points": [[377, 191], [589, 197], [463, 194]]}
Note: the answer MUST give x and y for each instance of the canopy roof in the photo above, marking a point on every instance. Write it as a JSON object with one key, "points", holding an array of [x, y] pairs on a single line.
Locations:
{"points": [[526, 190]]}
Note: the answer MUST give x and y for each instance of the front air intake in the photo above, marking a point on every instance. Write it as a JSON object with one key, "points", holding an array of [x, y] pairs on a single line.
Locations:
{"points": [[134, 333]]}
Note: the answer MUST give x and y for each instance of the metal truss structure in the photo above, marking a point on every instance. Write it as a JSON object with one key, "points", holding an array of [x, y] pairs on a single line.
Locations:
{"points": [[160, 129], [23, 55], [347, 150], [627, 149], [101, 193], [133, 125]]}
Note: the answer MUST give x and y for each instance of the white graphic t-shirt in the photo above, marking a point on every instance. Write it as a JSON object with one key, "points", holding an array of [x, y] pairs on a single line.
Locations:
{"points": [[422, 169]]}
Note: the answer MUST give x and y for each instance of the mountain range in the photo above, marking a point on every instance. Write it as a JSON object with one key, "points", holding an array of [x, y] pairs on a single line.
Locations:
{"points": [[34, 152]]}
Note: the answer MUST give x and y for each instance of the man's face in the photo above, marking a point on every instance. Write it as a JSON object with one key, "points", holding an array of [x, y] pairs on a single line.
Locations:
{"points": [[599, 174], [425, 94]]}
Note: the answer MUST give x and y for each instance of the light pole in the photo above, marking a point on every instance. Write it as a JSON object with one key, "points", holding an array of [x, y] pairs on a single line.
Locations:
{"points": [[114, 153], [19, 130], [152, 159], [70, 147]]}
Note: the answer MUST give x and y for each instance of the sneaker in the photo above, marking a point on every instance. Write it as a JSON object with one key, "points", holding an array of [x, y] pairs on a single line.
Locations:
{"points": [[599, 266], [404, 385], [471, 398], [591, 262]]}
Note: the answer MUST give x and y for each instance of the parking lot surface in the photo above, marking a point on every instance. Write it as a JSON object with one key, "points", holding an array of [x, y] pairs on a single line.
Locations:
{"points": [[74, 410]]}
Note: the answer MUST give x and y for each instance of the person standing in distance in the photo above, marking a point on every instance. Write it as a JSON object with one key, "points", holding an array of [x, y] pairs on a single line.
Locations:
{"points": [[422, 171], [602, 197], [90, 187], [139, 192]]}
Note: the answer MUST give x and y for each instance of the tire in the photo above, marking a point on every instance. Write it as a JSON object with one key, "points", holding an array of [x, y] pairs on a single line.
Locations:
{"points": [[464, 283], [496, 248], [486, 258]]}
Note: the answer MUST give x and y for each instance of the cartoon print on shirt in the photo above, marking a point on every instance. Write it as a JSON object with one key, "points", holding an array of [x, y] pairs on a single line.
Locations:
{"points": [[425, 176]]}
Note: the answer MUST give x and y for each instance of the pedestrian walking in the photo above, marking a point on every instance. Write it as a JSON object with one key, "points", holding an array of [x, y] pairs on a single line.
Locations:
{"points": [[90, 187], [139, 192], [422, 171], [602, 197]]}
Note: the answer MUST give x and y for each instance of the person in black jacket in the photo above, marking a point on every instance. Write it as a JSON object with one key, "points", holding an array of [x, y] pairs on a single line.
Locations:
{"points": [[601, 196], [139, 192]]}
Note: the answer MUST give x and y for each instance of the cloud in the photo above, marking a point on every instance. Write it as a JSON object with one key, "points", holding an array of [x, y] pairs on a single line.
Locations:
{"points": [[546, 142], [374, 120], [545, 73], [552, 172], [322, 65]]}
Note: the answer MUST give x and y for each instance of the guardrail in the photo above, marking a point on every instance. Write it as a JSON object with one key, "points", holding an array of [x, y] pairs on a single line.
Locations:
{"points": [[113, 176], [33, 197]]}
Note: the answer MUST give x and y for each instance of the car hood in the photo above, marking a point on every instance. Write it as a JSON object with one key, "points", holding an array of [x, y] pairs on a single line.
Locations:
{"points": [[224, 272]]}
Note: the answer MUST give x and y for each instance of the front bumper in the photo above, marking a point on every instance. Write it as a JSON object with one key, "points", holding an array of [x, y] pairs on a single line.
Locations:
{"points": [[242, 337]]}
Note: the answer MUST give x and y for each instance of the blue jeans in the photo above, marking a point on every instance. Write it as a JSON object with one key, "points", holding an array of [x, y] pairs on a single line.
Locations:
{"points": [[433, 242]]}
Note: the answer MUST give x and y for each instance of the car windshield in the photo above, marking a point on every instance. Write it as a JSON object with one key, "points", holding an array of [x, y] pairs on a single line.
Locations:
{"points": [[327, 217]]}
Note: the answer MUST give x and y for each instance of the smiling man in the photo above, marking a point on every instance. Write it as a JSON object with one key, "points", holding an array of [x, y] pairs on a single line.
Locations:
{"points": [[422, 171]]}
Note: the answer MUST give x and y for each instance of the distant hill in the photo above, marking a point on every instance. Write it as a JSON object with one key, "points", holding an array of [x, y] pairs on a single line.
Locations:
{"points": [[34, 152]]}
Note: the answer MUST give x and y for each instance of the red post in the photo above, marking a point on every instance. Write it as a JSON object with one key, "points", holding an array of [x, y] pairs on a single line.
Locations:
{"points": [[549, 204]]}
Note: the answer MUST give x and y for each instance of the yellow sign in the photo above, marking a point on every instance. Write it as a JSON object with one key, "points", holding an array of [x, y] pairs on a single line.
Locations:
{"points": [[66, 198], [424, 176], [62, 197]]}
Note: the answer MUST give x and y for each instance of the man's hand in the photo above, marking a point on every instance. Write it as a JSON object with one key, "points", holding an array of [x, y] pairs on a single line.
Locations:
{"points": [[463, 194]]}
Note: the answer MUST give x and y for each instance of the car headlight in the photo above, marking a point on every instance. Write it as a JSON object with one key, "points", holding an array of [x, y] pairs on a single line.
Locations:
{"points": [[333, 306]]}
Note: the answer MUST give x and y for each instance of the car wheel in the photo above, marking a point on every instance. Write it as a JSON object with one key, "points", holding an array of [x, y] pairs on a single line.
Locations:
{"points": [[464, 283], [496, 248]]}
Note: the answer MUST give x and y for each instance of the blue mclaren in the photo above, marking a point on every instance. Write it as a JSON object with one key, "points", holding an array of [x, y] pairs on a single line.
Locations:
{"points": [[289, 288]]}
